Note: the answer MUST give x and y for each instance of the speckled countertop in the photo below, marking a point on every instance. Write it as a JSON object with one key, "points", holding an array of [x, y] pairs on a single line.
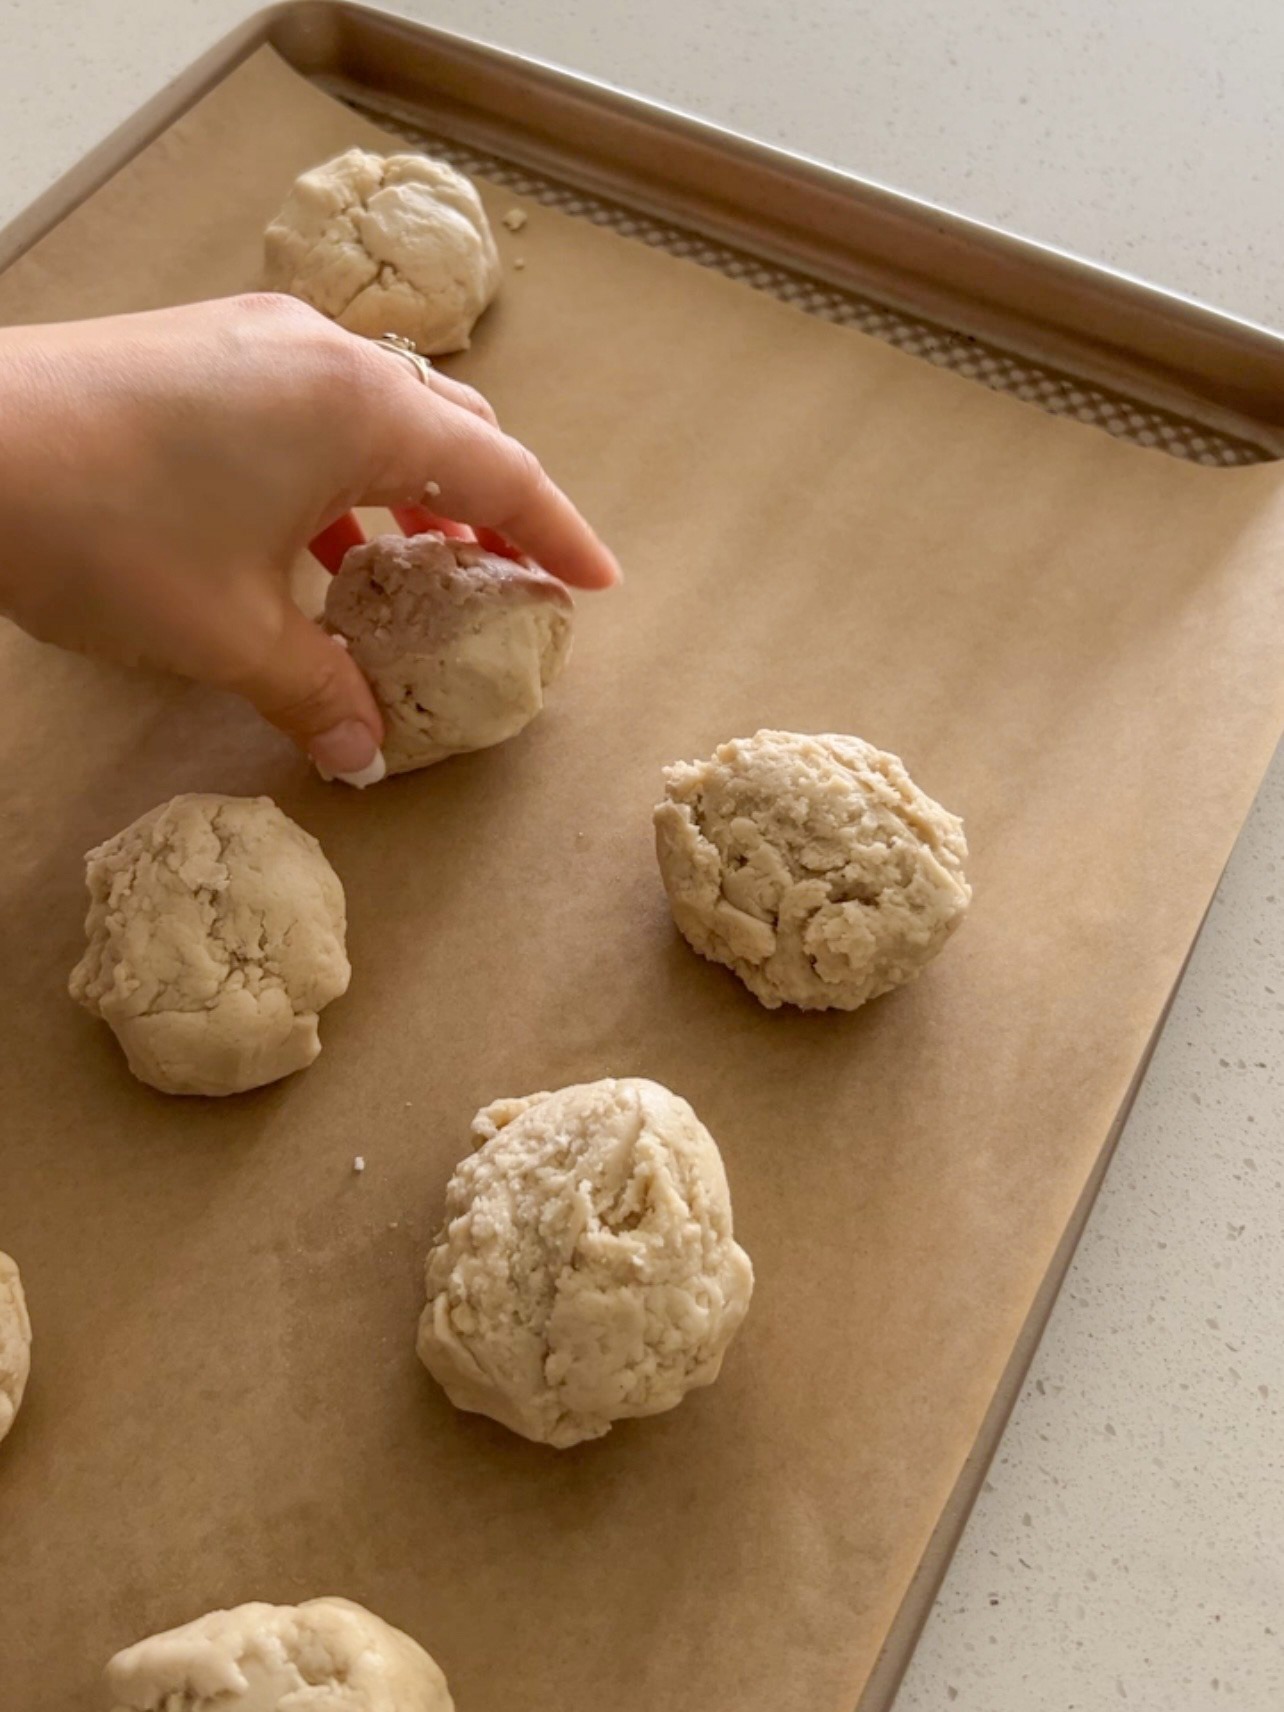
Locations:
{"points": [[1129, 1545]]}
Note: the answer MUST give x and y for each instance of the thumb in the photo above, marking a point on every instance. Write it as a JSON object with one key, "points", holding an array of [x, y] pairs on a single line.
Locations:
{"points": [[310, 687]]}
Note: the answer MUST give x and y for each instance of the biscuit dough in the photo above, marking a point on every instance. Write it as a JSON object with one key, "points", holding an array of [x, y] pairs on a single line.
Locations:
{"points": [[587, 1270], [395, 244], [15, 1343], [812, 866], [216, 936], [327, 1655], [458, 644]]}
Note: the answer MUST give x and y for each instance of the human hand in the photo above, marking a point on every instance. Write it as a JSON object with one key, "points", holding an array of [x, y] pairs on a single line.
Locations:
{"points": [[159, 473]]}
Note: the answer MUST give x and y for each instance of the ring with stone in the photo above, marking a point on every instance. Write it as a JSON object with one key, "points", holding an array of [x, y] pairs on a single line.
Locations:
{"points": [[399, 346]]}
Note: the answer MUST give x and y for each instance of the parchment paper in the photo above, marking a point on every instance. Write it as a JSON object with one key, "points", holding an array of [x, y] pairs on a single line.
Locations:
{"points": [[1072, 641]]}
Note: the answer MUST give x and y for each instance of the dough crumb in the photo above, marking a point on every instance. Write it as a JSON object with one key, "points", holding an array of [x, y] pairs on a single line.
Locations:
{"points": [[459, 645], [519, 261], [15, 1343], [387, 244], [216, 937], [587, 1269], [515, 219], [359, 1164], [327, 1653], [432, 490], [814, 867]]}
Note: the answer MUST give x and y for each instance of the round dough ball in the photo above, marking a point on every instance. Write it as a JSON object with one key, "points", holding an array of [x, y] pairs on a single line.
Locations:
{"points": [[587, 1269], [327, 1655], [458, 644], [812, 866], [15, 1343], [395, 244], [216, 935]]}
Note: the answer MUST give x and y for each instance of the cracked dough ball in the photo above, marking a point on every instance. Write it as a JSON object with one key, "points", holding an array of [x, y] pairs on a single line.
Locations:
{"points": [[587, 1270], [15, 1343], [327, 1655], [395, 244], [216, 936], [812, 866], [458, 644]]}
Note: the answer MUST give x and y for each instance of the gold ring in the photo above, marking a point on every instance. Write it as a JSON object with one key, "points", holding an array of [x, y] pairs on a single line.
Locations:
{"points": [[399, 346]]}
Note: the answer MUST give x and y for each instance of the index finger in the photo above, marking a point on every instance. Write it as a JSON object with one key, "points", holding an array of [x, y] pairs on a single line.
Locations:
{"points": [[471, 471]]}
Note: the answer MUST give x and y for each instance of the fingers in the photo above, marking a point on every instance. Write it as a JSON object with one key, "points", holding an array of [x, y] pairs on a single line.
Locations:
{"points": [[482, 476], [491, 480], [309, 687], [466, 397], [445, 386]]}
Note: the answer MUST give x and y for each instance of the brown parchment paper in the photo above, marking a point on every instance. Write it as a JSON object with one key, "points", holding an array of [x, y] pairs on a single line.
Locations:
{"points": [[1072, 641]]}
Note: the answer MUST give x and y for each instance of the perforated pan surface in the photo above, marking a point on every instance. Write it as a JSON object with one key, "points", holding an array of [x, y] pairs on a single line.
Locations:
{"points": [[1054, 390]]}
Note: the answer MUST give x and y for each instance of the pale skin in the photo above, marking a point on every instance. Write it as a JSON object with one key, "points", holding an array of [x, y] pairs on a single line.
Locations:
{"points": [[159, 474]]}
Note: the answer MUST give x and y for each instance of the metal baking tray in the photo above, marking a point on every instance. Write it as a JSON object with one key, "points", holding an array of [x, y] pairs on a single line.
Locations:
{"points": [[1067, 335], [1061, 333]]}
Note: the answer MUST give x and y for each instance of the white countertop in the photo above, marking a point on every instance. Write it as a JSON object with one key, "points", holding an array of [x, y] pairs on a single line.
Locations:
{"points": [[1129, 1546]]}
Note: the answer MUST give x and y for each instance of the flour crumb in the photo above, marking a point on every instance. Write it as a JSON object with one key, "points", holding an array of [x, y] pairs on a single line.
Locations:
{"points": [[515, 219], [432, 490], [359, 1164]]}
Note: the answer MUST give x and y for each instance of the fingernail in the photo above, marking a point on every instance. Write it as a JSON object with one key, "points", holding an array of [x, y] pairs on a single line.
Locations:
{"points": [[349, 752], [371, 775]]}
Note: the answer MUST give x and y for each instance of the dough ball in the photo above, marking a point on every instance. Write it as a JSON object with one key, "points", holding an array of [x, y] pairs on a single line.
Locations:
{"points": [[812, 866], [327, 1655], [587, 1269], [395, 244], [216, 935], [459, 645], [15, 1343]]}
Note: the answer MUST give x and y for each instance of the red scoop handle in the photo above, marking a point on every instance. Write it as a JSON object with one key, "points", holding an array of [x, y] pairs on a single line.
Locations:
{"points": [[330, 546]]}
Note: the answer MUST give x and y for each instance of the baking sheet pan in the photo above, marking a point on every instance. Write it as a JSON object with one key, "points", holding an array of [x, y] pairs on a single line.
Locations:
{"points": [[1073, 336], [1071, 640]]}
